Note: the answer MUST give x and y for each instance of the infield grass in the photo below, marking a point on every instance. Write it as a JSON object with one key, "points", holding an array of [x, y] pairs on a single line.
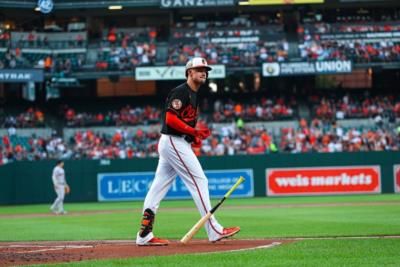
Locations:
{"points": [[259, 218]]}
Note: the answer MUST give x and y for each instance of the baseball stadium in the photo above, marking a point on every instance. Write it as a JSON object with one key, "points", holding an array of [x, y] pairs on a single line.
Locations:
{"points": [[200, 133]]}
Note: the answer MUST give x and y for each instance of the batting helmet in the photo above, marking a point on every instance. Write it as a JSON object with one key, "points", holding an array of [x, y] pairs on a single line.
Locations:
{"points": [[196, 62]]}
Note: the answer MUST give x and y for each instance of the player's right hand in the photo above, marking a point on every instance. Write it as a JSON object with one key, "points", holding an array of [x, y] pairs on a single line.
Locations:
{"points": [[202, 133], [196, 143]]}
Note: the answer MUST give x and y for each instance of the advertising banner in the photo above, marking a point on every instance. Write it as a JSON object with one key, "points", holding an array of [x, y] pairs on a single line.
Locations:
{"points": [[232, 40], [21, 75], [323, 180], [195, 3], [173, 73], [393, 36], [274, 69], [284, 2], [134, 185], [396, 172]]}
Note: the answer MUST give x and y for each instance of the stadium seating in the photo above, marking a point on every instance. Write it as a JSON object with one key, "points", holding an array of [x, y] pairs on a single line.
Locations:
{"points": [[349, 41]]}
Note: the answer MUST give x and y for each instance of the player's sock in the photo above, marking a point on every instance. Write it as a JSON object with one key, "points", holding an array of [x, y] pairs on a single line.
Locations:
{"points": [[147, 223]]}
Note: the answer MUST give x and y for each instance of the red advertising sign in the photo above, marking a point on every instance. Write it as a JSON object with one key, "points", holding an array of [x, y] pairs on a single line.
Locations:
{"points": [[323, 180], [396, 171]]}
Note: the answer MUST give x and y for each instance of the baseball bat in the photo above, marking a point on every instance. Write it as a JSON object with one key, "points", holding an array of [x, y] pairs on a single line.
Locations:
{"points": [[206, 217]]}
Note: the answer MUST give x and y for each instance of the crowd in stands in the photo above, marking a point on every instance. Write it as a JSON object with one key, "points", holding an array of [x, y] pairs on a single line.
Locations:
{"points": [[240, 54], [358, 51], [264, 109], [320, 137], [60, 52], [316, 137], [219, 110], [49, 40], [237, 43], [57, 64], [124, 37], [83, 145], [5, 37], [314, 44], [31, 118], [355, 107], [127, 115], [126, 57], [125, 49], [122, 144], [233, 139], [240, 42], [62, 63], [223, 110], [324, 27]]}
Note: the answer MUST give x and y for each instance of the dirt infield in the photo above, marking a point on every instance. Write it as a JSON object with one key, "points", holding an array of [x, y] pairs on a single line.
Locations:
{"points": [[22, 253]]}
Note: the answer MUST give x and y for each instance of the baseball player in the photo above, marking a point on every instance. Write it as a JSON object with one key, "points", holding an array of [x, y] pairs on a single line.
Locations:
{"points": [[176, 157], [61, 187]]}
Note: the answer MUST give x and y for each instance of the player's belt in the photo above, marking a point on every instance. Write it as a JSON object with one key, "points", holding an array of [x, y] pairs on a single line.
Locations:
{"points": [[187, 138]]}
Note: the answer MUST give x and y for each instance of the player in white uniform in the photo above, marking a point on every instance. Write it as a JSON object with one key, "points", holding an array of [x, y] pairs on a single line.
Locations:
{"points": [[176, 157], [60, 186]]}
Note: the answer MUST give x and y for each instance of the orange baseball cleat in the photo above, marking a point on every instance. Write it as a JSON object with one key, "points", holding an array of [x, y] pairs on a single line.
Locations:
{"points": [[228, 232], [155, 241]]}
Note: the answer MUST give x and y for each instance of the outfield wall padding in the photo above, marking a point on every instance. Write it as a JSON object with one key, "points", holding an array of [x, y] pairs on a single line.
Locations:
{"points": [[26, 182]]}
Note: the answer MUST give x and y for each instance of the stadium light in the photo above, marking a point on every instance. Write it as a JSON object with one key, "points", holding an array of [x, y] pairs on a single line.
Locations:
{"points": [[114, 7], [37, 9]]}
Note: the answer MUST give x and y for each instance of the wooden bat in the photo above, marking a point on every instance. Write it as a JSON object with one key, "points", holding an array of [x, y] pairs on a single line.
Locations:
{"points": [[206, 217]]}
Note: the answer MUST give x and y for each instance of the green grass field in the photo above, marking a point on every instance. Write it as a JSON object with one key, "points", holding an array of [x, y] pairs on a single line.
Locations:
{"points": [[333, 216]]}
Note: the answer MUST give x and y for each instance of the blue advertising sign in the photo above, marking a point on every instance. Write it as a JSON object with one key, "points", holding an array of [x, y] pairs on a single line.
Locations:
{"points": [[274, 69], [21, 75], [134, 185]]}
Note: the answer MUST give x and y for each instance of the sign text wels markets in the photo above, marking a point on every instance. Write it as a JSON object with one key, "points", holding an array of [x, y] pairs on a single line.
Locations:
{"points": [[323, 180]]}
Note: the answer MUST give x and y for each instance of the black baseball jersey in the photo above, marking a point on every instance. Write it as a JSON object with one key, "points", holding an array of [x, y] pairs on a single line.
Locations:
{"points": [[183, 102]]}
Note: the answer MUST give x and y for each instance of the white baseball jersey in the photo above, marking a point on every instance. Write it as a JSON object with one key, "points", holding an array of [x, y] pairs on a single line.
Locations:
{"points": [[58, 176], [59, 182]]}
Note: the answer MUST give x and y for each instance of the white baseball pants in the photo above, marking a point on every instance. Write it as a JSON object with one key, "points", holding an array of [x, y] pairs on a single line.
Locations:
{"points": [[58, 205], [177, 158]]}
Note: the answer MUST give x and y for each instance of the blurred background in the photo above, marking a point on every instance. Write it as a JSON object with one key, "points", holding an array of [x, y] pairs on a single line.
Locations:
{"points": [[87, 80]]}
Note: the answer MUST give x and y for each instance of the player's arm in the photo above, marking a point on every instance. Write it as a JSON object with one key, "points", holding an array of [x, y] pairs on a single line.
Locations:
{"points": [[54, 178], [175, 122], [178, 124]]}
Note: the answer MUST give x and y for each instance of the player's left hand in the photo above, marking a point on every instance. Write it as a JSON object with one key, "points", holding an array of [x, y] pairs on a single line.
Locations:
{"points": [[202, 133], [67, 189]]}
